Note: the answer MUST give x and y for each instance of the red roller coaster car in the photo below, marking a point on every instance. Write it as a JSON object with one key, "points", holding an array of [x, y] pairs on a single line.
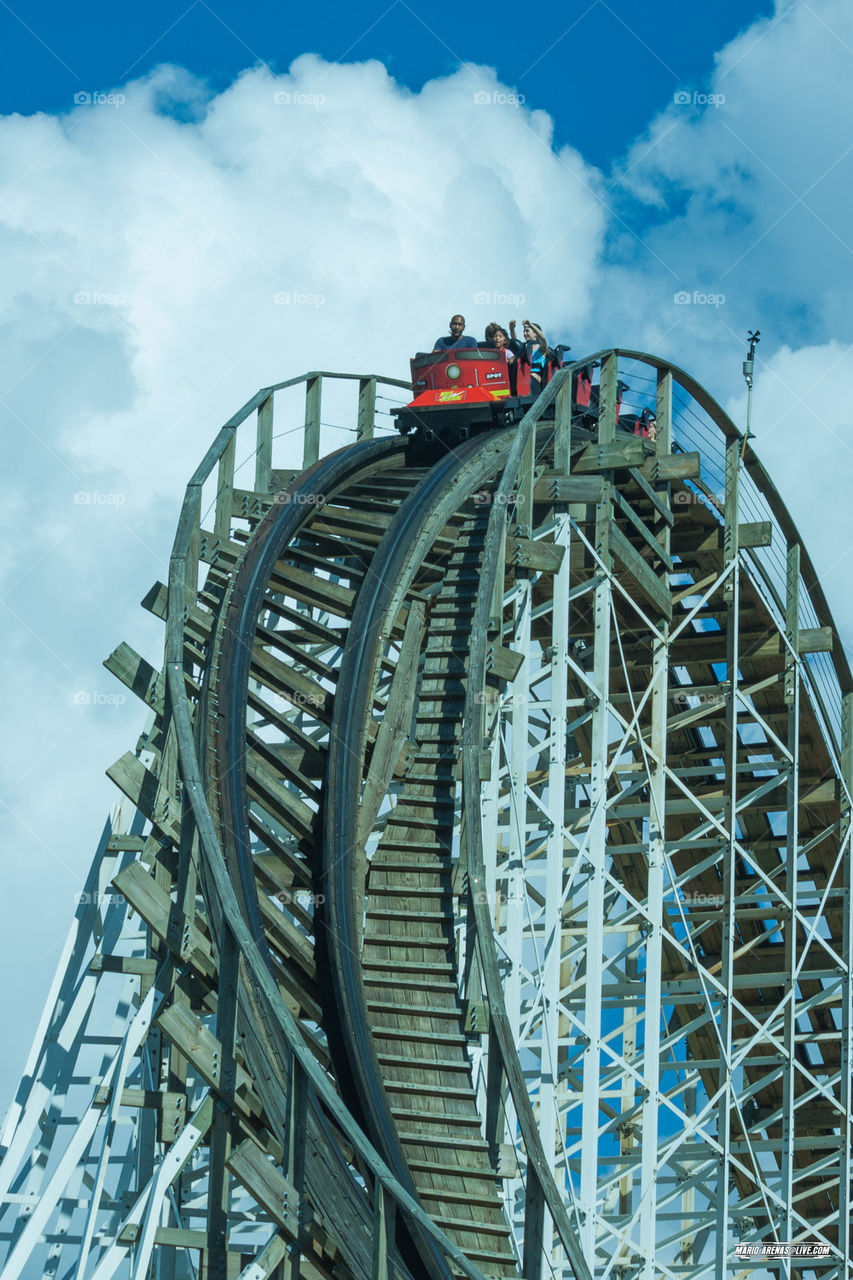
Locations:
{"points": [[464, 391]]}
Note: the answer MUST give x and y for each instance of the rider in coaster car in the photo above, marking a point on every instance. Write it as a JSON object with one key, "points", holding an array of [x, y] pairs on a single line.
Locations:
{"points": [[457, 337], [535, 352]]}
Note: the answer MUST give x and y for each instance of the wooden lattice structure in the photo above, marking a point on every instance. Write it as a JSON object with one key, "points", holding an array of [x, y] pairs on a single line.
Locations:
{"points": [[480, 900]]}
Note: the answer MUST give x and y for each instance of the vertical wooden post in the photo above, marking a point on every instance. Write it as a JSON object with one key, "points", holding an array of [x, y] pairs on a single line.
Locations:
{"points": [[384, 1213], [263, 456], [294, 1159], [366, 421], [193, 549], [607, 397], [313, 398], [225, 492], [664, 411], [563, 427]]}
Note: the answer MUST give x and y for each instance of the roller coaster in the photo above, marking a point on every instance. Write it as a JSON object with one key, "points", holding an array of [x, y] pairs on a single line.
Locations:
{"points": [[479, 902]]}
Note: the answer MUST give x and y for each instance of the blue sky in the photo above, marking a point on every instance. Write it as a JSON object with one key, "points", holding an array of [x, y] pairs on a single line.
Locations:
{"points": [[652, 176], [600, 69]]}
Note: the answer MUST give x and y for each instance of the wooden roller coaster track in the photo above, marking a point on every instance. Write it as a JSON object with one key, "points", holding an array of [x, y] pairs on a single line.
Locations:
{"points": [[481, 899]]}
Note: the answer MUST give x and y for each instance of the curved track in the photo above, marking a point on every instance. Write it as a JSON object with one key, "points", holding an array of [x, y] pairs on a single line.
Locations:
{"points": [[506, 912]]}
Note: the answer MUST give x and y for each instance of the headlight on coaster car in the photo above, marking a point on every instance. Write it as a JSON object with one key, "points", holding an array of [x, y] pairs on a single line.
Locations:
{"points": [[453, 371]]}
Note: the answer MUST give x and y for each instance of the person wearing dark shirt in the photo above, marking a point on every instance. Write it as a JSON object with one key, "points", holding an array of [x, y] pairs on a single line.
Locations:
{"points": [[457, 338]]}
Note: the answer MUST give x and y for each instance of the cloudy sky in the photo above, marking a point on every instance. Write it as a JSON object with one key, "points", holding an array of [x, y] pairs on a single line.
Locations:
{"points": [[165, 182]]}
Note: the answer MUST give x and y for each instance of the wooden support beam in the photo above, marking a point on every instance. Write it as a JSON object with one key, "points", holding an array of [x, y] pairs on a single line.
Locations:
{"points": [[394, 729], [137, 675], [553, 487], [535, 554], [648, 582], [612, 456], [815, 640], [266, 1183], [143, 788], [672, 466], [155, 906], [204, 1051], [366, 418]]}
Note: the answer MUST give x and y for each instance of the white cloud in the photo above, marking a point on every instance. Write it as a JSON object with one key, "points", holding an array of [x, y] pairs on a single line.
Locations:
{"points": [[183, 214], [803, 423], [145, 241]]}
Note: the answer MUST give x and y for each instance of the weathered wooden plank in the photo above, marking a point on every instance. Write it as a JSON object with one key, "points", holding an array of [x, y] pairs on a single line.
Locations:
{"points": [[555, 487], [610, 456], [533, 553], [502, 662], [143, 788], [815, 639], [154, 905], [633, 562], [267, 788], [642, 529], [197, 1043], [672, 466], [266, 1183], [394, 729], [756, 533], [662, 508], [137, 675]]}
